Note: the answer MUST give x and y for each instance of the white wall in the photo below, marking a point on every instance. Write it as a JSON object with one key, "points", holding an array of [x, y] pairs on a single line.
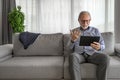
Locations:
{"points": [[117, 21], [0, 21]]}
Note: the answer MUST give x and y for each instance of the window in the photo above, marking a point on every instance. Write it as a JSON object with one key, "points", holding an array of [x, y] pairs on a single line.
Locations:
{"points": [[52, 16]]}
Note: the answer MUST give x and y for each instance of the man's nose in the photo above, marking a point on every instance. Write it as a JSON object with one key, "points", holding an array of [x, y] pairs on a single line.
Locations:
{"points": [[85, 22]]}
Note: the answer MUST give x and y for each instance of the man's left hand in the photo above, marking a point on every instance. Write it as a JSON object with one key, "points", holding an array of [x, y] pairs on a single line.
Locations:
{"points": [[95, 45]]}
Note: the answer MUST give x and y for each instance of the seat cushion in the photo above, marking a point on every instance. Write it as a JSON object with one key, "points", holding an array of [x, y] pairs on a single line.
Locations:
{"points": [[88, 70], [42, 67], [45, 44], [114, 68]]}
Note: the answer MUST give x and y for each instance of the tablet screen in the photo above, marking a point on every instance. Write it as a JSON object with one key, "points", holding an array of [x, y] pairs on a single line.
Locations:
{"points": [[87, 40]]}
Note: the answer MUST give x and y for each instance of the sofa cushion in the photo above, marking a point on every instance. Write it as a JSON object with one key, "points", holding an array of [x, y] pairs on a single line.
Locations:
{"points": [[41, 67], [109, 43], [45, 44], [88, 70], [114, 68], [117, 49], [67, 50], [108, 38]]}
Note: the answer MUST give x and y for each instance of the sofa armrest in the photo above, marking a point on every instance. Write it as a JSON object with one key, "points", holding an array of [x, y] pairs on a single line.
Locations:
{"points": [[6, 51], [117, 49]]}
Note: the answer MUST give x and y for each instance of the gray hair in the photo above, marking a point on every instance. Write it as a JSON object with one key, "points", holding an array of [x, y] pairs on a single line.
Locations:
{"points": [[82, 13]]}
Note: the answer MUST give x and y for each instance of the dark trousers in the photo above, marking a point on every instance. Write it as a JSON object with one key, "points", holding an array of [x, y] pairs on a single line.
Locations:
{"points": [[99, 59]]}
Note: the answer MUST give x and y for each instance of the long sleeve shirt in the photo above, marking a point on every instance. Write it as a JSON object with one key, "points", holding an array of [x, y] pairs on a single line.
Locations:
{"points": [[90, 31]]}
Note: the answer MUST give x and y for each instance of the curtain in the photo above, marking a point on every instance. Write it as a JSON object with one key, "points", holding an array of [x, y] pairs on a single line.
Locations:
{"points": [[7, 6], [117, 21], [51, 16]]}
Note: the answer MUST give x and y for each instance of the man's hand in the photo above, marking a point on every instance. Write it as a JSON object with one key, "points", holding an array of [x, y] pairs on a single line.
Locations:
{"points": [[74, 35], [95, 45]]}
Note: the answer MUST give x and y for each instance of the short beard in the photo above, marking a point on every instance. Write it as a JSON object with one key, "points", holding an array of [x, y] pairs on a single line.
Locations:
{"points": [[84, 27]]}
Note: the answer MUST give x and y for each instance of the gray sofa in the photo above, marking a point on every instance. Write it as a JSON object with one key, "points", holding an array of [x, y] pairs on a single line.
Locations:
{"points": [[47, 59]]}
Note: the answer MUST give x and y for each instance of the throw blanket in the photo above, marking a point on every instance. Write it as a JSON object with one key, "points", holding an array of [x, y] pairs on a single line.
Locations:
{"points": [[27, 38]]}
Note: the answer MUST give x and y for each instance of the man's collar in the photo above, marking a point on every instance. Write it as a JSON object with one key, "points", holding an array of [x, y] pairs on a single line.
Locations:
{"points": [[84, 29]]}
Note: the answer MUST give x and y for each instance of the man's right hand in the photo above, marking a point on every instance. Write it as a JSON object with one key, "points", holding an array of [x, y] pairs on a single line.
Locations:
{"points": [[74, 35]]}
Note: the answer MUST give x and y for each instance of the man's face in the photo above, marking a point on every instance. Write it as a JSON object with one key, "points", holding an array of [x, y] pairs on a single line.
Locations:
{"points": [[84, 21]]}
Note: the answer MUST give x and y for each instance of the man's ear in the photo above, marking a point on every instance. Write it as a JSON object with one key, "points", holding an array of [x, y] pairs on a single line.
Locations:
{"points": [[78, 19]]}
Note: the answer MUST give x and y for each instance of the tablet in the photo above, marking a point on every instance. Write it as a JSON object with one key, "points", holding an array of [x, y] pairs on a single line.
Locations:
{"points": [[87, 40]]}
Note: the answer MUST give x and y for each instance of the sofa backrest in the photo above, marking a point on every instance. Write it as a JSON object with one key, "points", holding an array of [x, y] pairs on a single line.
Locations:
{"points": [[45, 44], [67, 50], [108, 38], [109, 43], [55, 44]]}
